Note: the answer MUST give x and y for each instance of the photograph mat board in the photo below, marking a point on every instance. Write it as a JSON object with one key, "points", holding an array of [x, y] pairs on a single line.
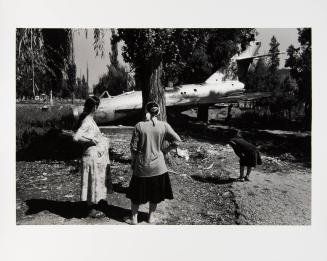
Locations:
{"points": [[140, 242]]}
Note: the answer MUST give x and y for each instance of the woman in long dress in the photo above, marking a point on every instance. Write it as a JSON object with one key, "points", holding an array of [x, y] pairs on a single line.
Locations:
{"points": [[95, 158], [150, 181]]}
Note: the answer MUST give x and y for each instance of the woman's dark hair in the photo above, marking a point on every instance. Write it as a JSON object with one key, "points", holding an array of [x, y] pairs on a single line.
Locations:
{"points": [[152, 108], [89, 104]]}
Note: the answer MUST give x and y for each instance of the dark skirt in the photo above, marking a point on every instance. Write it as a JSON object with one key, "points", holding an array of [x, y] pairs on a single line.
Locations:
{"points": [[251, 159], [150, 189]]}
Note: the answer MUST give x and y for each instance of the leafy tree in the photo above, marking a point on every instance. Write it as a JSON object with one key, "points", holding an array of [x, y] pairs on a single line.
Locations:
{"points": [[284, 98], [273, 64], [164, 54], [116, 80], [44, 61], [113, 55], [58, 46], [197, 67], [31, 62], [299, 60], [256, 79]]}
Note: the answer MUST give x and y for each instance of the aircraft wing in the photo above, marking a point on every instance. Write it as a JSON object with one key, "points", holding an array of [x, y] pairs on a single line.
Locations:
{"points": [[255, 57], [244, 97], [127, 110], [243, 64]]}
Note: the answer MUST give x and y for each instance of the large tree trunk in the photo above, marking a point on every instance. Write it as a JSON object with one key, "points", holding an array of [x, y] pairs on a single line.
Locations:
{"points": [[152, 89]]}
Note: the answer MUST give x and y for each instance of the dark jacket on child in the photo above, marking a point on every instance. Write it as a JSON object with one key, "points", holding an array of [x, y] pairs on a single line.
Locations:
{"points": [[247, 152]]}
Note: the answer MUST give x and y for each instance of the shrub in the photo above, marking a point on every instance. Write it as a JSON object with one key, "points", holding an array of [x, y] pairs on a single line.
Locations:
{"points": [[38, 133]]}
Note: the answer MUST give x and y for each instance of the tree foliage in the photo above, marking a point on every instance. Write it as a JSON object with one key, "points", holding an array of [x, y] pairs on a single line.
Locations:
{"points": [[256, 79], [299, 60], [58, 50], [265, 76], [116, 80], [82, 88], [177, 55], [268, 77], [43, 61], [31, 65], [273, 64]]}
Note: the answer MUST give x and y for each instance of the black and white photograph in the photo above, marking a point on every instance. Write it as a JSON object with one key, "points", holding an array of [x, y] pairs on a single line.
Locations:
{"points": [[163, 130], [176, 126]]}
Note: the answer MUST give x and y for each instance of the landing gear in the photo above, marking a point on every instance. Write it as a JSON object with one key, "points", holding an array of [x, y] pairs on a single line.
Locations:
{"points": [[203, 114]]}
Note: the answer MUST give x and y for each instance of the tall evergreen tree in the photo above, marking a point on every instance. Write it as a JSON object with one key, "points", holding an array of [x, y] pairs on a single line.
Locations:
{"points": [[273, 64], [256, 79]]}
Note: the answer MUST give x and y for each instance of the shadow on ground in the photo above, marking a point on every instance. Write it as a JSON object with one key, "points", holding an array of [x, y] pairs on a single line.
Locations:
{"points": [[213, 180], [68, 210], [119, 188]]}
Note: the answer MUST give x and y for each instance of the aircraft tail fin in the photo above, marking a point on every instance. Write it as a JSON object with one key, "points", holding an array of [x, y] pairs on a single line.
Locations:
{"points": [[238, 65], [245, 59]]}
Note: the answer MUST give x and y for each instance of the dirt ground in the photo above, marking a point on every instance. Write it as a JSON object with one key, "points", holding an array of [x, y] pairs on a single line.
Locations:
{"points": [[205, 189]]}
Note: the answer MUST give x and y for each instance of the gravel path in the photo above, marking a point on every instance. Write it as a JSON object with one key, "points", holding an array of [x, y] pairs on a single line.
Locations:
{"points": [[274, 199]]}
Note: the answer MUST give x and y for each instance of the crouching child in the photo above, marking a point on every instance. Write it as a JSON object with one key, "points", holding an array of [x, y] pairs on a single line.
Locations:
{"points": [[249, 156]]}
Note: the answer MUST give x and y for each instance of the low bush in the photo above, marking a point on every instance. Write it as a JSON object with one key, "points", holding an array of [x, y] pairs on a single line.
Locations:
{"points": [[252, 119], [38, 133]]}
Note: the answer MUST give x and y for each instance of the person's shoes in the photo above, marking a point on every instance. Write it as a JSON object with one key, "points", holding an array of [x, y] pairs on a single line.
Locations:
{"points": [[96, 214], [246, 178], [241, 179], [130, 221]]}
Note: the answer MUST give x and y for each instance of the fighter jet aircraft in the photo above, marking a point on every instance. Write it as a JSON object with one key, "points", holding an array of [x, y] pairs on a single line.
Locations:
{"points": [[222, 84]]}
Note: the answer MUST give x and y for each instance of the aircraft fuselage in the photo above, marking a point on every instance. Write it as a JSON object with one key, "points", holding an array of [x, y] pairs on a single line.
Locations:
{"points": [[185, 96], [217, 86]]}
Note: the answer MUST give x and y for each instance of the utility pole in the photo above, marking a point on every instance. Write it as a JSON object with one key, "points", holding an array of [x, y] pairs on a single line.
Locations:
{"points": [[72, 64], [32, 63]]}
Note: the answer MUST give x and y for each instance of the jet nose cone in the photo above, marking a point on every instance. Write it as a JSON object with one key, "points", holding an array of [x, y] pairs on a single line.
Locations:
{"points": [[241, 85]]}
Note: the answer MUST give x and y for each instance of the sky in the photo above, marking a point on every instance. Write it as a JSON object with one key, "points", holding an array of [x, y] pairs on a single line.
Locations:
{"points": [[285, 36], [85, 55]]}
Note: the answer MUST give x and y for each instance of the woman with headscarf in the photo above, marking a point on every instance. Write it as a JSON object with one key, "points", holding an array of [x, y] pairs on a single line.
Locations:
{"points": [[150, 181], [95, 158]]}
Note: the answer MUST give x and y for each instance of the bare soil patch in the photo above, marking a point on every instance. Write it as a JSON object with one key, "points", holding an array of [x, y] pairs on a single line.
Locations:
{"points": [[205, 188]]}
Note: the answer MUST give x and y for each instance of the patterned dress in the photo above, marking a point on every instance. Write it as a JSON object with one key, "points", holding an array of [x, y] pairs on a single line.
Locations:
{"points": [[95, 161]]}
